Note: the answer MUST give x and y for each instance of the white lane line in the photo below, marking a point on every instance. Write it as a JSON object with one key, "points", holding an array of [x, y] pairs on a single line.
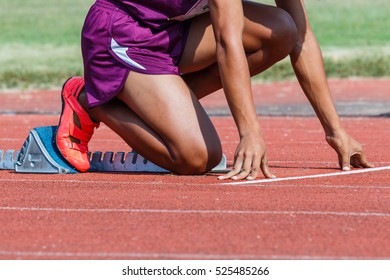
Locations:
{"points": [[200, 184], [217, 183], [156, 255], [340, 173], [195, 211]]}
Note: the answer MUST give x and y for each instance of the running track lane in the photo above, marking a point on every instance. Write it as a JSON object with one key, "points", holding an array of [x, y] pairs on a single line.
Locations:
{"points": [[127, 216]]}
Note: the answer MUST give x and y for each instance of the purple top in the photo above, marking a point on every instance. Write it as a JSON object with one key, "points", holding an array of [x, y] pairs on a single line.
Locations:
{"points": [[158, 13]]}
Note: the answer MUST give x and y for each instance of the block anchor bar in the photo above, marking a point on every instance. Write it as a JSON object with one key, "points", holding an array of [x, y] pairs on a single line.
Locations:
{"points": [[8, 159]]}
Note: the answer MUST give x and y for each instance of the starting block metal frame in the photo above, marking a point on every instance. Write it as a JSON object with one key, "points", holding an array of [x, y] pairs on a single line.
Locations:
{"points": [[39, 154]]}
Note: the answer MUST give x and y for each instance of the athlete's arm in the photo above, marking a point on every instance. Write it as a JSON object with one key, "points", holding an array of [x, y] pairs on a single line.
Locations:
{"points": [[306, 59], [227, 19]]}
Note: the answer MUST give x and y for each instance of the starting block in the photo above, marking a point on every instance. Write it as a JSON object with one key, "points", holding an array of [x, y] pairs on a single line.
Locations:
{"points": [[39, 154], [7, 159]]}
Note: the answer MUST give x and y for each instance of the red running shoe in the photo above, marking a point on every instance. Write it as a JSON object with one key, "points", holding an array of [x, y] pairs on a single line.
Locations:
{"points": [[72, 141]]}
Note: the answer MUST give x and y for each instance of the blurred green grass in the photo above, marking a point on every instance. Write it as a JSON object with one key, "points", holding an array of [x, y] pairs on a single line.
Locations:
{"points": [[40, 40]]}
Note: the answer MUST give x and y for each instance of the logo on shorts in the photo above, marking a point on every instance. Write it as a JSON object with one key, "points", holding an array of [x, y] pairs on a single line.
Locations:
{"points": [[121, 52]]}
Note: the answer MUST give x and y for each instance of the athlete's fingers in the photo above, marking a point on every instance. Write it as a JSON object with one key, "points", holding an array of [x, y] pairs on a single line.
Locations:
{"points": [[245, 170], [359, 160], [265, 169], [238, 163], [255, 168], [344, 160]]}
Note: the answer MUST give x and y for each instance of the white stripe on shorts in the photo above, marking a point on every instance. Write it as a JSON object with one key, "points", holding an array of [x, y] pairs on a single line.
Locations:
{"points": [[121, 52]]}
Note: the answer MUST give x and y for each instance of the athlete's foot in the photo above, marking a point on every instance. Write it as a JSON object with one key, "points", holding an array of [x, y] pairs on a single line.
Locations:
{"points": [[75, 127]]}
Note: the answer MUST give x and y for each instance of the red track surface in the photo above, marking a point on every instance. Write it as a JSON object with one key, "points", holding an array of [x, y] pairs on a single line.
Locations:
{"points": [[149, 216]]}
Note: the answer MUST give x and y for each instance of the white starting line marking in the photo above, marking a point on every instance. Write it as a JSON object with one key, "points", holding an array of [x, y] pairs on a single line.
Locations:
{"points": [[159, 255], [340, 173], [195, 211]]}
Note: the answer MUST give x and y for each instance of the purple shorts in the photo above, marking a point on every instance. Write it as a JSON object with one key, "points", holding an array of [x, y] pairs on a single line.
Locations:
{"points": [[113, 43]]}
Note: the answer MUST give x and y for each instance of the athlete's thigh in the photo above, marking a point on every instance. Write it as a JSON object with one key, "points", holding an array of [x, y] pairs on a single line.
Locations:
{"points": [[200, 51], [166, 104]]}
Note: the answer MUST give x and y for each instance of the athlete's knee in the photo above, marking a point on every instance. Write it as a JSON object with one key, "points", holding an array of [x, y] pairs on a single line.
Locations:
{"points": [[197, 159]]}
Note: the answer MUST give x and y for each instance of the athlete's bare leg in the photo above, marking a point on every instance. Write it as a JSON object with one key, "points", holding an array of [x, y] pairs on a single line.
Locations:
{"points": [[160, 118], [160, 115]]}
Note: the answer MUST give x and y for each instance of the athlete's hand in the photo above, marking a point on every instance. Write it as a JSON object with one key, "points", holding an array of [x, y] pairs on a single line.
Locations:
{"points": [[349, 151], [250, 158]]}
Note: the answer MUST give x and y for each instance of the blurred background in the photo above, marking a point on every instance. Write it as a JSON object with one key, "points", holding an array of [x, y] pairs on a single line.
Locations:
{"points": [[40, 40]]}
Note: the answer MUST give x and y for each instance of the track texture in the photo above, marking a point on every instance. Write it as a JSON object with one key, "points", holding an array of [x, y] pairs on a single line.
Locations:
{"points": [[152, 216]]}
